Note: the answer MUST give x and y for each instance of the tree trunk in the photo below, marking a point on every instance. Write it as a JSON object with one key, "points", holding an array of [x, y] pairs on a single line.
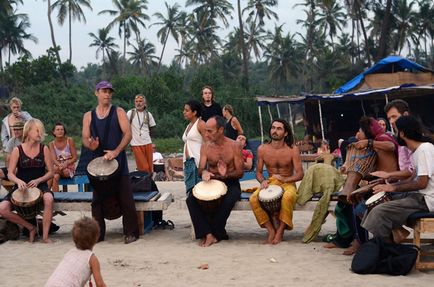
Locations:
{"points": [[245, 79], [70, 34], [384, 38], [162, 52], [365, 37], [53, 40], [125, 51]]}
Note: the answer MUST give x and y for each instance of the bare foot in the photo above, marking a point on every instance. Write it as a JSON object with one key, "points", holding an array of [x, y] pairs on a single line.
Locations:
{"points": [[209, 240], [330, 245], [47, 240], [32, 234], [355, 245], [202, 242], [271, 234], [278, 237]]}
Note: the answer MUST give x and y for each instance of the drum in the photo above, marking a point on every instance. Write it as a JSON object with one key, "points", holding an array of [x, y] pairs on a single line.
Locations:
{"points": [[28, 202], [270, 198], [158, 167], [209, 194], [362, 161], [376, 199], [102, 169], [8, 185]]}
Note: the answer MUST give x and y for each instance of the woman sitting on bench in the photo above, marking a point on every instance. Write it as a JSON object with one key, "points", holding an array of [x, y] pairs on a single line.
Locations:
{"points": [[64, 155]]}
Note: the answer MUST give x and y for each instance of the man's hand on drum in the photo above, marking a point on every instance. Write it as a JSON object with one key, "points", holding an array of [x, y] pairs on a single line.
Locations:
{"points": [[381, 174], [93, 143], [361, 144], [264, 183], [206, 175], [383, 187], [221, 167], [110, 154], [279, 177]]}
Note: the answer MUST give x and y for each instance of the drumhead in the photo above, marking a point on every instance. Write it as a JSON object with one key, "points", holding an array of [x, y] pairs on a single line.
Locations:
{"points": [[271, 192], [102, 167], [209, 190], [24, 197], [375, 197]]}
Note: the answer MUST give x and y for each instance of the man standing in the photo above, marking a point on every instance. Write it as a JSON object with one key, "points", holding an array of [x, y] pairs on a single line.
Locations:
{"points": [[142, 126], [14, 141], [282, 160], [209, 106], [383, 218], [220, 158], [16, 115], [106, 132]]}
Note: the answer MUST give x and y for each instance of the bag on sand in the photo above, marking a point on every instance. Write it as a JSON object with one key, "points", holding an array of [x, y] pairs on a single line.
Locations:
{"points": [[8, 230], [379, 257]]}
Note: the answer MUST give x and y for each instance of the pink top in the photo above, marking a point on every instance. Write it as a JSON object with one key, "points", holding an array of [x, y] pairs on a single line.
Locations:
{"points": [[73, 270], [404, 157]]}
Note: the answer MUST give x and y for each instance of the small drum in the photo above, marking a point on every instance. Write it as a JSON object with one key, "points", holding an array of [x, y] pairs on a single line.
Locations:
{"points": [[28, 203], [8, 185], [270, 198], [209, 194], [376, 199], [102, 169], [362, 161]]}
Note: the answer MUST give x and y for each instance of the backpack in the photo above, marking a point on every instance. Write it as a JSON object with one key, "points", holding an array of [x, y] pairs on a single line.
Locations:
{"points": [[379, 257]]}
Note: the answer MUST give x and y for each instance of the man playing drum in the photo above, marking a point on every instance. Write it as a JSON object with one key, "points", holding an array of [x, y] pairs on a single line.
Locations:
{"points": [[383, 218], [106, 131], [282, 160], [221, 159]]}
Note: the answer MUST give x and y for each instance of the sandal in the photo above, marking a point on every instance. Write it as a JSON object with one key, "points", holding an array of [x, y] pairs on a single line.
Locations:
{"points": [[163, 224]]}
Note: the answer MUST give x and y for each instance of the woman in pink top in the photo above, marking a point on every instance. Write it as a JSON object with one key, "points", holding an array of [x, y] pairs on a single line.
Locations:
{"points": [[64, 155], [79, 263]]}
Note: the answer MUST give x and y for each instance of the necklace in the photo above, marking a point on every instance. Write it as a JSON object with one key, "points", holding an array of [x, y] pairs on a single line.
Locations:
{"points": [[144, 120], [102, 116]]}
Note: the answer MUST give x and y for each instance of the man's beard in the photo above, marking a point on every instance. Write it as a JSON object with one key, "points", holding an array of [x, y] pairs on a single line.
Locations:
{"points": [[400, 141], [277, 138]]}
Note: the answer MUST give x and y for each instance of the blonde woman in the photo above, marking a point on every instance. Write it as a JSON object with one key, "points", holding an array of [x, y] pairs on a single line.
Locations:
{"points": [[30, 165], [233, 127]]}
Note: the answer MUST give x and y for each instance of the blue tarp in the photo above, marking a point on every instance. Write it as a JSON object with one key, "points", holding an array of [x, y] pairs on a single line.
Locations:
{"points": [[391, 64]]}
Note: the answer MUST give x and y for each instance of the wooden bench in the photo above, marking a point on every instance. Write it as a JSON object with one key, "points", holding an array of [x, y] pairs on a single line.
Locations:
{"points": [[422, 223], [244, 205]]}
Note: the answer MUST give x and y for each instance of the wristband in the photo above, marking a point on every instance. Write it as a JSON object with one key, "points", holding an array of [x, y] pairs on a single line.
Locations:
{"points": [[370, 143]]}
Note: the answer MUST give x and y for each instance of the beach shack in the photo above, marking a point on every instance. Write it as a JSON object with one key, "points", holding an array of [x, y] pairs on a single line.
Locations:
{"points": [[336, 115]]}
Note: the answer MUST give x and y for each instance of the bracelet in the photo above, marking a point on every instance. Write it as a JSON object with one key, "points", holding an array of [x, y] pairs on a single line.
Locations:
{"points": [[370, 143]]}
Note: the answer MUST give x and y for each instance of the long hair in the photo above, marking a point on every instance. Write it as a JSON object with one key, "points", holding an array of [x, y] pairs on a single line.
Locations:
{"points": [[212, 93], [29, 125], [289, 138], [412, 128]]}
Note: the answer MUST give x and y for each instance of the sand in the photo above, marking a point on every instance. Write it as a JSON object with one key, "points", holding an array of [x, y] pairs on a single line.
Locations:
{"points": [[172, 258]]}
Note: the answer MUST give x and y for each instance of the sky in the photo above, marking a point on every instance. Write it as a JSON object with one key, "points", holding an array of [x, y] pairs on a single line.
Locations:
{"points": [[83, 54]]}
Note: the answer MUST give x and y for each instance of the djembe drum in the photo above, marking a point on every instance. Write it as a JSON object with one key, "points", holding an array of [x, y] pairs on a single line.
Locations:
{"points": [[27, 202], [103, 176], [209, 194], [377, 199], [270, 198]]}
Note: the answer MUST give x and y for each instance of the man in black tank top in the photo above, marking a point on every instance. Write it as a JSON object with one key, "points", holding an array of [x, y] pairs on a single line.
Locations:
{"points": [[106, 132]]}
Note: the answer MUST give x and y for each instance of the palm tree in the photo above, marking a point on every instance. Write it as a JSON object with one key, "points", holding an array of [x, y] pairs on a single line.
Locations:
{"points": [[170, 27], [129, 15], [143, 56], [103, 41], [210, 10], [259, 9], [425, 25], [406, 25], [242, 43], [331, 17], [6, 6], [385, 31], [72, 8], [12, 35]]}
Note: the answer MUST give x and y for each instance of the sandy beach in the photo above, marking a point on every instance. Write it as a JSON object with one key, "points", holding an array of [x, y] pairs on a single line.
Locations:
{"points": [[171, 258]]}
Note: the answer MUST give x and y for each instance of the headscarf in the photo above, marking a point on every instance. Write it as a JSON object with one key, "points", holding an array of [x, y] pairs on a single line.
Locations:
{"points": [[379, 135]]}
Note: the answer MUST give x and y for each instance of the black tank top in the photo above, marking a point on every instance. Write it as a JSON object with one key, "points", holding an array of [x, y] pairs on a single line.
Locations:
{"points": [[230, 132], [31, 168]]}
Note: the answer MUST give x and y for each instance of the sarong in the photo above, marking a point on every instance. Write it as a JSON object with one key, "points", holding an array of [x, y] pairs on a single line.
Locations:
{"points": [[287, 204]]}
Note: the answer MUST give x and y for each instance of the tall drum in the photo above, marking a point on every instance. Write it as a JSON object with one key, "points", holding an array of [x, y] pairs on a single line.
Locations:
{"points": [[270, 198], [27, 202], [209, 194]]}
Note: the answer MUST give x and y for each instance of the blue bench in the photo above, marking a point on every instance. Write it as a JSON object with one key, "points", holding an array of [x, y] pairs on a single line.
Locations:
{"points": [[81, 180]]}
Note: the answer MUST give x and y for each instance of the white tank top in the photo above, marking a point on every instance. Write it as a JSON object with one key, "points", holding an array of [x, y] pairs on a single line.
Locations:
{"points": [[192, 142], [73, 270]]}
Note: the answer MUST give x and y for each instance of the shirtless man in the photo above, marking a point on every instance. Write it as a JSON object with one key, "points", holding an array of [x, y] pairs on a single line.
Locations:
{"points": [[220, 158], [282, 159]]}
